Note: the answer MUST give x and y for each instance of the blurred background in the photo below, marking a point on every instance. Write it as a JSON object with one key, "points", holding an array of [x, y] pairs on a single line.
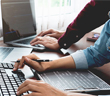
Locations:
{"points": [[56, 14]]}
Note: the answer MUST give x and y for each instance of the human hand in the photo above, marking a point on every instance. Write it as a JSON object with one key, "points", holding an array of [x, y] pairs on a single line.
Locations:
{"points": [[39, 88], [39, 66], [47, 41], [52, 33]]}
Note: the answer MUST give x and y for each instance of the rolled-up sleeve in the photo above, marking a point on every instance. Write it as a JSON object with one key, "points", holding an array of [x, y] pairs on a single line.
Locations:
{"points": [[80, 60]]}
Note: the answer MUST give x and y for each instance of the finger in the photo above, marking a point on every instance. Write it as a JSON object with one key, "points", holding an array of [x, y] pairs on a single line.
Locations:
{"points": [[29, 87], [21, 63], [33, 64], [31, 56], [30, 81], [50, 31], [33, 94], [40, 34], [15, 66], [35, 39], [38, 42], [51, 35], [25, 83]]}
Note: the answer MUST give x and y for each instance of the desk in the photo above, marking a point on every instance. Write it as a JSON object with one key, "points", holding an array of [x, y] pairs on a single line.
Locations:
{"points": [[103, 72]]}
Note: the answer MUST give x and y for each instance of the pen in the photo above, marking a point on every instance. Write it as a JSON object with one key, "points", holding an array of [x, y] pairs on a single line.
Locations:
{"points": [[37, 60]]}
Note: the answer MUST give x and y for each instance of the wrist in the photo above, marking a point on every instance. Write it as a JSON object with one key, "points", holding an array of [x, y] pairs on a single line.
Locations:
{"points": [[50, 65], [56, 46]]}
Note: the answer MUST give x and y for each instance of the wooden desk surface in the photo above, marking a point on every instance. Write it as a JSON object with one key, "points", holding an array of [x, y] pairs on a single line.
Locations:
{"points": [[103, 72]]}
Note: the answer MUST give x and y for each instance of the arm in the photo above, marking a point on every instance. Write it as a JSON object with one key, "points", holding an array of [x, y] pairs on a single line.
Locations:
{"points": [[93, 56], [99, 54], [92, 16], [66, 62]]}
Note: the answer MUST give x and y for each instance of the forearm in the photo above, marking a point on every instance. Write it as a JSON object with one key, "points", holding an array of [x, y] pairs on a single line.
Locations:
{"points": [[66, 62], [99, 54]]}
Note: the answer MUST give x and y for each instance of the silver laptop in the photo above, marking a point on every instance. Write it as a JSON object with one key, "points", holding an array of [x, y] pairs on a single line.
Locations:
{"points": [[19, 23], [83, 81], [8, 54]]}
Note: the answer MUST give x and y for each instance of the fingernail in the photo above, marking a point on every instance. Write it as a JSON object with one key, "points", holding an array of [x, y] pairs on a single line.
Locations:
{"points": [[17, 92], [14, 69]]}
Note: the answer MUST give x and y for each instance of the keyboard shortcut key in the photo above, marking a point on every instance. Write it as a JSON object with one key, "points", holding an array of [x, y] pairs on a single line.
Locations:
{"points": [[10, 66], [1, 66], [6, 94], [2, 70], [12, 92], [5, 65]]}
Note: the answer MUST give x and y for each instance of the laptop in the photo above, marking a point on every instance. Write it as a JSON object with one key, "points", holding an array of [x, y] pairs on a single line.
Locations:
{"points": [[19, 23], [8, 54], [82, 81]]}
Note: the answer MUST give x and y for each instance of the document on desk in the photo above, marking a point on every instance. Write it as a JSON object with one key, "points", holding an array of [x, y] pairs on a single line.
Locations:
{"points": [[76, 81]]}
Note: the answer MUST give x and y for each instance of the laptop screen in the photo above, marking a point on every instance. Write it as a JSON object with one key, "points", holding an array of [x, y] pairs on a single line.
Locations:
{"points": [[18, 19]]}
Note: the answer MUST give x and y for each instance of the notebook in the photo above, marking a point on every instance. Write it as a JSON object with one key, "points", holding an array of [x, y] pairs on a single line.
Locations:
{"points": [[19, 26], [8, 54]]}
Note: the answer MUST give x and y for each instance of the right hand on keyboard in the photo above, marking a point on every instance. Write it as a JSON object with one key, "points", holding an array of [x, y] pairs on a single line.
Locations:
{"points": [[39, 88], [52, 33]]}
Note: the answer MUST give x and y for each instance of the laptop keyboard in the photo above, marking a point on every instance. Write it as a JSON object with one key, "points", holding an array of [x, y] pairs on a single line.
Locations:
{"points": [[27, 41], [9, 80], [4, 52], [6, 65]]}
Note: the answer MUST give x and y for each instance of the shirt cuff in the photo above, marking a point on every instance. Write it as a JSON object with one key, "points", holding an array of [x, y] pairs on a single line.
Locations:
{"points": [[80, 60]]}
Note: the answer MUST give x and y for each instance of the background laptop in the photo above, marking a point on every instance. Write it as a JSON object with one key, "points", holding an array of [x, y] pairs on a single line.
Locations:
{"points": [[19, 23], [8, 54]]}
